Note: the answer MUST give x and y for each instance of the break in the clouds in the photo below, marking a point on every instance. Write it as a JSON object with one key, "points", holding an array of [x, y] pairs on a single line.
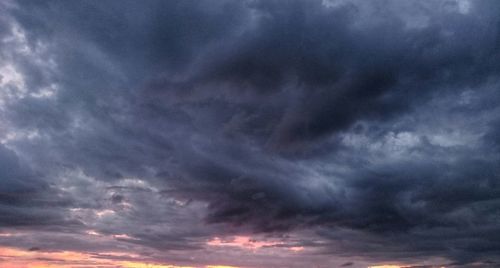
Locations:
{"points": [[250, 133]]}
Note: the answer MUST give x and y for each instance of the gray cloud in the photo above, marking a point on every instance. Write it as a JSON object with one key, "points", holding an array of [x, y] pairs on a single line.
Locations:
{"points": [[373, 126]]}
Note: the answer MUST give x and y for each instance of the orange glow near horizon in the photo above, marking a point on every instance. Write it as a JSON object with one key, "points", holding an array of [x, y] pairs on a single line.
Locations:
{"points": [[247, 242], [241, 242], [18, 258]]}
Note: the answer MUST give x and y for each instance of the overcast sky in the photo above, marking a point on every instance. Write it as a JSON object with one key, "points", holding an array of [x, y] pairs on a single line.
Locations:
{"points": [[250, 134]]}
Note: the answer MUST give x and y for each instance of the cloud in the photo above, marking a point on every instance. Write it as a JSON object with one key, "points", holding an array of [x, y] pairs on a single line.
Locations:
{"points": [[368, 130]]}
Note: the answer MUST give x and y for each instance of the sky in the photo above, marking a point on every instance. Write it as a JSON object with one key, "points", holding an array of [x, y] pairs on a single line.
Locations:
{"points": [[249, 134]]}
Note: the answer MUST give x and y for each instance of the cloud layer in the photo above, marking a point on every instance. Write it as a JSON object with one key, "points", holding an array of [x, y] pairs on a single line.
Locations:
{"points": [[335, 132]]}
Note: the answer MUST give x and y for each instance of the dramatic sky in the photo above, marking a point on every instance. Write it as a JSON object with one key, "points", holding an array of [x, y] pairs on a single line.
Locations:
{"points": [[250, 134]]}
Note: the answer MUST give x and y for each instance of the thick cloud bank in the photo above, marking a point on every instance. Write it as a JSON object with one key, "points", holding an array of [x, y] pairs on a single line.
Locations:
{"points": [[362, 130]]}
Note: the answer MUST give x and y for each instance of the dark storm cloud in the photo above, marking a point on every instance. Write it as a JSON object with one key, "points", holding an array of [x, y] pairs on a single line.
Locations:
{"points": [[380, 118], [25, 199]]}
